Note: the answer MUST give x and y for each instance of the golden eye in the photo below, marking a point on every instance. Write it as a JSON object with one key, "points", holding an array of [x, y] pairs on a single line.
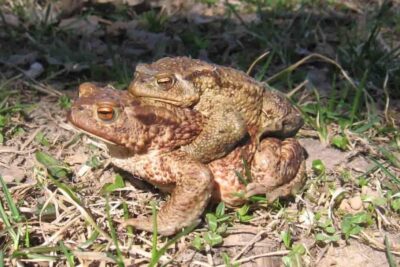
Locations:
{"points": [[106, 112], [166, 82]]}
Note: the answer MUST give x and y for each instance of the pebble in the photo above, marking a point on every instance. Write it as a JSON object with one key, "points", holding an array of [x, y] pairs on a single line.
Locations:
{"points": [[355, 203]]}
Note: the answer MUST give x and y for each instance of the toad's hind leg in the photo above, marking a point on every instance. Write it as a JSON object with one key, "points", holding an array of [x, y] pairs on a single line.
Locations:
{"points": [[278, 169], [189, 198]]}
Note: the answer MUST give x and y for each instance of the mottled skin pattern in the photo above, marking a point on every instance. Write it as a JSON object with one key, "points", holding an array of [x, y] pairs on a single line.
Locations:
{"points": [[140, 127], [233, 103], [141, 140]]}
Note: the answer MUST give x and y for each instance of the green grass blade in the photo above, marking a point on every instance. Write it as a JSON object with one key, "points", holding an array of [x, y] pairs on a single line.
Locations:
{"points": [[1, 258], [114, 236], [27, 237], [68, 255], [154, 251], [389, 255], [90, 240], [129, 228], [390, 157], [157, 256], [15, 215], [386, 171], [66, 191], [6, 221], [357, 98], [185, 231]]}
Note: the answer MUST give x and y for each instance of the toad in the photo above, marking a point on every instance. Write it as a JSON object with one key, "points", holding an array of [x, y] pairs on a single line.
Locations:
{"points": [[234, 104], [147, 141]]}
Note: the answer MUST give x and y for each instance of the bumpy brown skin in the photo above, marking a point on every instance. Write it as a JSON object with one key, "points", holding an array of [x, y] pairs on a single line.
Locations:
{"points": [[146, 141], [233, 103]]}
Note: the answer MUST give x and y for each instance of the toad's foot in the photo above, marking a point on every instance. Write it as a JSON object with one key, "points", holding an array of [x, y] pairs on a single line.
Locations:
{"points": [[278, 169], [193, 187]]}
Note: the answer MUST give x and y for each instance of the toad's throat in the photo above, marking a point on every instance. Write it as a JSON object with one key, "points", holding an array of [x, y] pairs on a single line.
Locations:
{"points": [[107, 142], [113, 149]]}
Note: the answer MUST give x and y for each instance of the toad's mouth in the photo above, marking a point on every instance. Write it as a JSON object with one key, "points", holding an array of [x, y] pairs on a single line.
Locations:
{"points": [[91, 134], [163, 99]]}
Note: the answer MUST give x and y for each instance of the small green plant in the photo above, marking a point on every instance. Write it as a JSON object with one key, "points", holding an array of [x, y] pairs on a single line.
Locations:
{"points": [[64, 102], [94, 162], [286, 239], [242, 214], [7, 110], [195, 41], [293, 259], [320, 123], [153, 21], [42, 139], [354, 224], [217, 225], [326, 231], [318, 167], [56, 168], [228, 261], [111, 187], [395, 204], [340, 141]]}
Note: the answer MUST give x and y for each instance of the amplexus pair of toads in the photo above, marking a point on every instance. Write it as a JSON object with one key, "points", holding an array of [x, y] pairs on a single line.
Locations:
{"points": [[186, 126]]}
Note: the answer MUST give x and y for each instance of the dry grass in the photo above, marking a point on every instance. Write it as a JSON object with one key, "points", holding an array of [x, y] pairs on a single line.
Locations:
{"points": [[351, 201]]}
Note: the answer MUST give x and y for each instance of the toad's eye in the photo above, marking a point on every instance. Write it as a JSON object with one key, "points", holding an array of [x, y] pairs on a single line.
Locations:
{"points": [[166, 82], [106, 113]]}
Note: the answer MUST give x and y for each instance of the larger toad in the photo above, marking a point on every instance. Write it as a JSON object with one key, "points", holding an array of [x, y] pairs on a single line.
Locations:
{"points": [[233, 103], [146, 141]]}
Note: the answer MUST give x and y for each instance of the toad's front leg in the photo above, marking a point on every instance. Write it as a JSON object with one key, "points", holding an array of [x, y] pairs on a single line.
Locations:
{"points": [[224, 129], [193, 187]]}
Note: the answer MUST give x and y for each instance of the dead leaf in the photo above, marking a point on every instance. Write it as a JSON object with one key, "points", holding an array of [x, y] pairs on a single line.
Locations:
{"points": [[86, 26], [35, 70], [331, 157], [360, 164], [79, 157], [68, 7], [13, 174], [147, 39], [10, 20], [120, 2], [318, 78], [353, 254], [132, 2], [117, 27], [22, 59]]}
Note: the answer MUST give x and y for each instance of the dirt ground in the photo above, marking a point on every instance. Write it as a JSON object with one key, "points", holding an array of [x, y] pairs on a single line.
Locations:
{"points": [[353, 163]]}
